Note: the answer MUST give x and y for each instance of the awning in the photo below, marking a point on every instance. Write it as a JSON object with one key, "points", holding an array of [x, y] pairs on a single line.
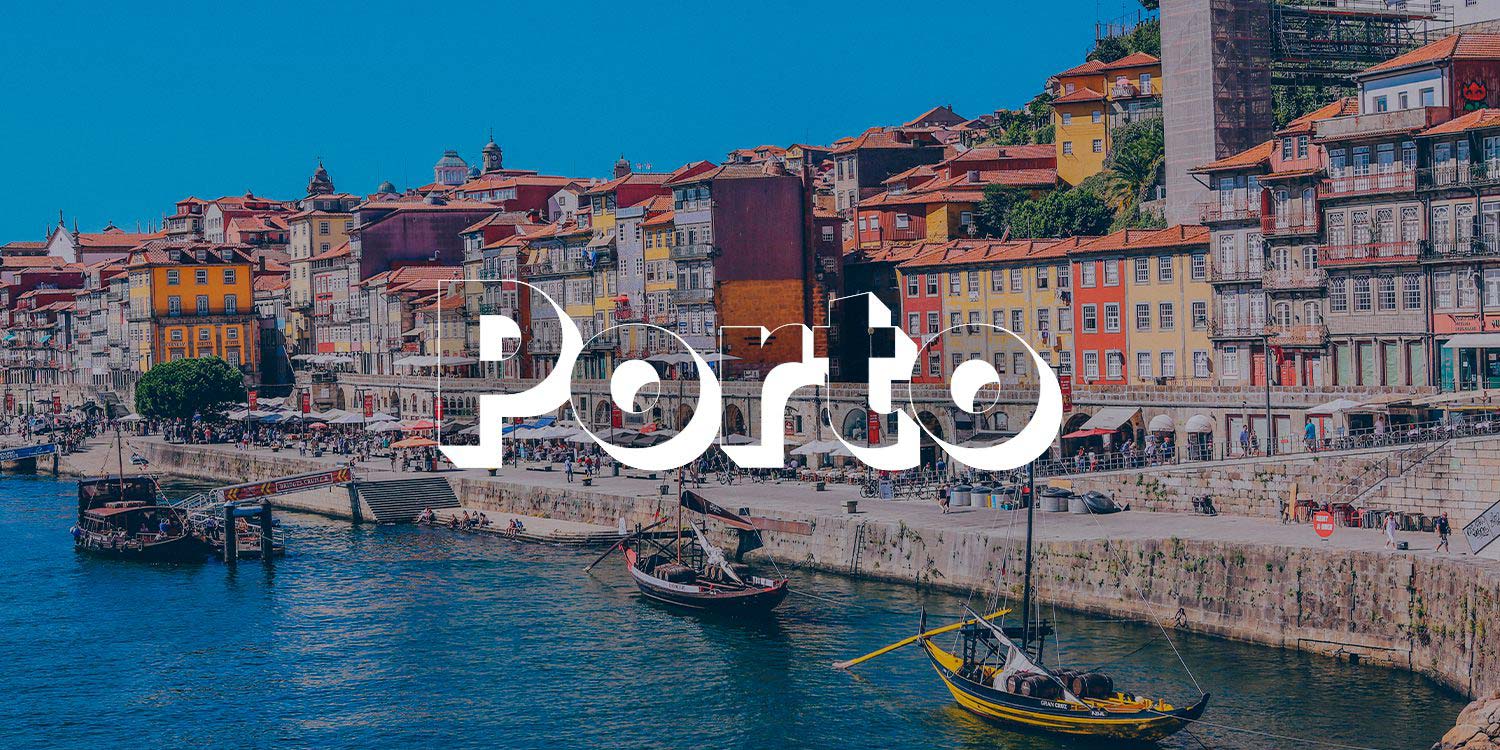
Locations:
{"points": [[1111, 418], [1088, 433], [9, 337], [1333, 407], [1162, 423], [1473, 341], [412, 332], [602, 239], [1200, 423]]}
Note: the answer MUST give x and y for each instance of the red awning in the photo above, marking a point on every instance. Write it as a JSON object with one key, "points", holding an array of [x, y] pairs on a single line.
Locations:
{"points": [[1096, 432]]}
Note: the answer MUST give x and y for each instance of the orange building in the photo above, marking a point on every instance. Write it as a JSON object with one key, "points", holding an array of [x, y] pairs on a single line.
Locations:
{"points": [[192, 300]]}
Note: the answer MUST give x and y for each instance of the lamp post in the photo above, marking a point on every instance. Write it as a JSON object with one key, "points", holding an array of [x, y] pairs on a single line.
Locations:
{"points": [[1265, 343]]}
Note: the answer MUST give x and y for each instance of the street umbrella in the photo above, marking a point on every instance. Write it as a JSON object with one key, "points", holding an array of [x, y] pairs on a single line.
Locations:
{"points": [[816, 447], [415, 442], [317, 426], [384, 427], [349, 419], [381, 417], [732, 440], [420, 425], [1095, 432]]}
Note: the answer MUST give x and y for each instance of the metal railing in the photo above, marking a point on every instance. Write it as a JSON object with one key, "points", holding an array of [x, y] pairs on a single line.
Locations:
{"points": [[696, 251], [1294, 278], [1301, 334], [1290, 223], [1370, 183], [1227, 273], [1370, 252], [1459, 174], [1235, 210], [1235, 329], [690, 296], [1461, 248]]}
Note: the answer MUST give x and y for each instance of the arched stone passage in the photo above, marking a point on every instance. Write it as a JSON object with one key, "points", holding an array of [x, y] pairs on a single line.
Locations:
{"points": [[734, 420], [854, 424]]}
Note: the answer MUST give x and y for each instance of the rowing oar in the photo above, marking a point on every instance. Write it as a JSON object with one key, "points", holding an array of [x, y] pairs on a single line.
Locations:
{"points": [[911, 640], [621, 543]]}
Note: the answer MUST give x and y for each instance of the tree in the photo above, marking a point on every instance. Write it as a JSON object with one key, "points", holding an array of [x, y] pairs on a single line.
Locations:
{"points": [[993, 213], [180, 389], [1136, 163], [1143, 37], [1061, 213]]}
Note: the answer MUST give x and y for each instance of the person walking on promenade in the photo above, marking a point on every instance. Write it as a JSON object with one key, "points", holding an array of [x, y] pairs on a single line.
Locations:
{"points": [[944, 497], [1245, 440], [568, 468], [1310, 436], [1390, 531], [1443, 529]]}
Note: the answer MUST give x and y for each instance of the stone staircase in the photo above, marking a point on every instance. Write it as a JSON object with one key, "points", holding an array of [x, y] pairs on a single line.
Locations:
{"points": [[401, 500]]}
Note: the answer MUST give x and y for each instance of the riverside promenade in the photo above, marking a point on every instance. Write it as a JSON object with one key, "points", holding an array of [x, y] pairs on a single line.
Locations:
{"points": [[1247, 578]]}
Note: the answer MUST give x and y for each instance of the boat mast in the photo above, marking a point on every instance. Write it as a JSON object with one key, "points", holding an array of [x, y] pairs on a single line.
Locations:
{"points": [[1026, 586], [679, 513], [120, 458]]}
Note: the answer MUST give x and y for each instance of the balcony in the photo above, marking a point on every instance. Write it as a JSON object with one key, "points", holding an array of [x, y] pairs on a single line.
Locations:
{"points": [[1457, 249], [1376, 124], [1292, 279], [1397, 180], [1230, 274], [1406, 251], [599, 343], [1459, 174], [543, 346], [697, 251], [1304, 334], [1291, 222], [692, 296], [1235, 329], [1234, 210]]}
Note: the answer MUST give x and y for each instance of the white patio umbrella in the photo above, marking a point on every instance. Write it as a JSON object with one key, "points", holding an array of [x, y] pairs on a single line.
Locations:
{"points": [[384, 427], [382, 417], [733, 440], [349, 419], [815, 447]]}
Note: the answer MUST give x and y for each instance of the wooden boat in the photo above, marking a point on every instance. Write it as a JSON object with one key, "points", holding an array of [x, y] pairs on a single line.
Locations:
{"points": [[122, 518], [697, 575], [999, 674]]}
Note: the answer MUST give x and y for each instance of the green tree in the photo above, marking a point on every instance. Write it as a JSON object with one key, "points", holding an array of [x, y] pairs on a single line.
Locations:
{"points": [[1135, 164], [1144, 37], [1061, 213], [993, 213], [180, 389]]}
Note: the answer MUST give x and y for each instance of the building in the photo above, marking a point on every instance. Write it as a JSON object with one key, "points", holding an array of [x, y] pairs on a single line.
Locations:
{"points": [[861, 165], [1094, 99], [1233, 215], [321, 223], [192, 300], [88, 248]]}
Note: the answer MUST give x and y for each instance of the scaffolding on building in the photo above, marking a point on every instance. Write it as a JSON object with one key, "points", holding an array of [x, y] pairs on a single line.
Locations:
{"points": [[1241, 59], [1325, 42]]}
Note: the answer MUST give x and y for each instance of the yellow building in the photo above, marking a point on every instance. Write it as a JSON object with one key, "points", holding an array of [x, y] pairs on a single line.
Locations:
{"points": [[321, 226], [1094, 99], [192, 300]]}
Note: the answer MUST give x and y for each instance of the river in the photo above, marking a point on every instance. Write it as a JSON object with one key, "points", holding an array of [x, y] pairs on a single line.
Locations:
{"points": [[396, 637]]}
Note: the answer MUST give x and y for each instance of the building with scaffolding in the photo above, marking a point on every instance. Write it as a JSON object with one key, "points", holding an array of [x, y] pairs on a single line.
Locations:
{"points": [[1225, 56]]}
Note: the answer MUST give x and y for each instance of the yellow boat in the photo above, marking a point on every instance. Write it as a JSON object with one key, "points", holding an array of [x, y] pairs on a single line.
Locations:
{"points": [[1122, 716]]}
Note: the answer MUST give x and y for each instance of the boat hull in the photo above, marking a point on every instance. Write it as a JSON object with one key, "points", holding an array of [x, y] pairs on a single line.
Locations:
{"points": [[1056, 717], [180, 549], [758, 597]]}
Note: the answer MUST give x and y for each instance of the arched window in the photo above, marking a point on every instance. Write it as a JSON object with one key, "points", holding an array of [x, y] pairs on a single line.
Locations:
{"points": [[1283, 314], [1312, 313], [1283, 259], [1310, 257]]}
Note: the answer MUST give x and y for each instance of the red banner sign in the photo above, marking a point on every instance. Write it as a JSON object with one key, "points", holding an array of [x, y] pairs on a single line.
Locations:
{"points": [[616, 417], [253, 399], [1323, 523], [306, 403], [369, 406], [1065, 384], [872, 425], [285, 485], [10, 402], [437, 409], [56, 404]]}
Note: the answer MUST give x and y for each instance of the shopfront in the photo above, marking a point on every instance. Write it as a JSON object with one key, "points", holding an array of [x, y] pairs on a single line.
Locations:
{"points": [[1470, 361]]}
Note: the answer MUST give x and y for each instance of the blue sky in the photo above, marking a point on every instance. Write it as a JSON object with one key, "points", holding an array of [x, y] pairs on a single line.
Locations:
{"points": [[111, 112]]}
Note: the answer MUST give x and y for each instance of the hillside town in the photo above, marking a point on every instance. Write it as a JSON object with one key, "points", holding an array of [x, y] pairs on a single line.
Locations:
{"points": [[1339, 277]]}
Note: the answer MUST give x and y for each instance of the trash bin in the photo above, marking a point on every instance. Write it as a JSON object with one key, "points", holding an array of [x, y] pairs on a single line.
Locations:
{"points": [[1077, 505], [980, 497], [1055, 503], [960, 496]]}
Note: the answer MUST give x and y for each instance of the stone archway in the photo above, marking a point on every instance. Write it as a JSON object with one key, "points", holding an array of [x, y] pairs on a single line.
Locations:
{"points": [[684, 415], [854, 424], [602, 414], [935, 427], [734, 420]]}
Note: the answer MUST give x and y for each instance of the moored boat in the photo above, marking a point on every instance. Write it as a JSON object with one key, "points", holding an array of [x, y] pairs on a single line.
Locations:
{"points": [[123, 518]]}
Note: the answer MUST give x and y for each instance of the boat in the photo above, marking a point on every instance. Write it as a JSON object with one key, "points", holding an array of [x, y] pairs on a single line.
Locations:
{"points": [[695, 574], [999, 673], [123, 518]]}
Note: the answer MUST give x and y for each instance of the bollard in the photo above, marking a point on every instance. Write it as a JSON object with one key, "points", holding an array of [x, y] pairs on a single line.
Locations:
{"points": [[231, 537], [851, 506], [354, 516], [266, 530]]}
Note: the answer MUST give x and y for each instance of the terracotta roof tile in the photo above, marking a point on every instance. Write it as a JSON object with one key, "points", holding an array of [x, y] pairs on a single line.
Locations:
{"points": [[1255, 156], [1476, 120], [1456, 47], [1080, 94], [1147, 239], [1133, 60], [1090, 66]]}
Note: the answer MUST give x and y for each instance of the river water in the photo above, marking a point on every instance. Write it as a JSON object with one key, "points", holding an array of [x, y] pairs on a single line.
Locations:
{"points": [[397, 637]]}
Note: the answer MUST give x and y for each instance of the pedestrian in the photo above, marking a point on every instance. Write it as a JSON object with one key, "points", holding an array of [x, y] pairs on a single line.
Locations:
{"points": [[1245, 439], [1390, 530], [1443, 529], [568, 468], [1310, 435], [944, 497]]}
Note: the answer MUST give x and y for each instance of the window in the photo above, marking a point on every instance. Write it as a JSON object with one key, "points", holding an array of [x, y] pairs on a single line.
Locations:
{"points": [[1142, 270], [1090, 318], [1200, 364], [1018, 320], [322, 227], [932, 322], [1286, 148], [973, 278], [1143, 365], [914, 324], [1067, 147], [1387, 296], [231, 304], [200, 276], [958, 359], [934, 364], [932, 284], [173, 277], [1231, 362], [973, 322], [1362, 294], [1442, 290], [1065, 362], [1018, 363], [1112, 318], [1169, 364], [1411, 291], [1145, 83], [1143, 317], [1064, 278], [1200, 315], [903, 221], [203, 334], [1086, 273], [1381, 105], [1114, 365], [1301, 147], [202, 304], [232, 356], [174, 306], [1064, 319], [1429, 97], [998, 318], [912, 285], [1166, 316], [1111, 273], [1015, 280], [1091, 365], [1098, 145], [954, 284], [1338, 295], [1164, 269], [1096, 116], [955, 320], [1043, 319], [1067, 118], [176, 334], [1199, 266]]}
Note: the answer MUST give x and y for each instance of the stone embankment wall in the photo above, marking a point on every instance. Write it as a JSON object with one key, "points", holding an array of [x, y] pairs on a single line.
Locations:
{"points": [[1461, 477], [1438, 616]]}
